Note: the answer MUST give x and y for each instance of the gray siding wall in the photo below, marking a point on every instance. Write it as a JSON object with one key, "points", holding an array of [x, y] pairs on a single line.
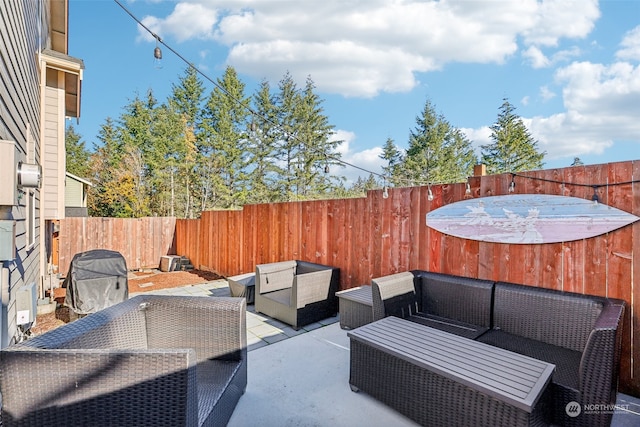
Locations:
{"points": [[22, 34]]}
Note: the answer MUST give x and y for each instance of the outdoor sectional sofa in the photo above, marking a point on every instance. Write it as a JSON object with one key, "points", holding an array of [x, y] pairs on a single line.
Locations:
{"points": [[150, 360], [579, 334]]}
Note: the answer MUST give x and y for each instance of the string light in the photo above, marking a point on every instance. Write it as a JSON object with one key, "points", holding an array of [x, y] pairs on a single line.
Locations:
{"points": [[595, 195], [157, 53], [467, 190], [385, 192], [429, 194], [512, 186]]}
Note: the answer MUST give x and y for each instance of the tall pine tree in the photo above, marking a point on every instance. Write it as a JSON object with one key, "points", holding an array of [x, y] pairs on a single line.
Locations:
{"points": [[224, 135], [513, 148], [437, 152], [318, 148], [77, 156], [186, 99], [394, 159], [262, 172]]}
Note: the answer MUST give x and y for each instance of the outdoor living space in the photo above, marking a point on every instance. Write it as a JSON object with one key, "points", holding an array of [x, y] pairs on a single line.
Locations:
{"points": [[301, 378], [385, 233]]}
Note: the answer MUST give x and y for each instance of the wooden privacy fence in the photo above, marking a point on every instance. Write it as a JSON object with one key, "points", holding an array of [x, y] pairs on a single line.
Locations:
{"points": [[375, 236], [142, 241]]}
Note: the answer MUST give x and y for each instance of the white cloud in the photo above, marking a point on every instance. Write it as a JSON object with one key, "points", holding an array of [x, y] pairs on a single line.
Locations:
{"points": [[630, 46], [187, 21], [536, 58], [546, 93], [363, 47], [551, 18], [601, 106]]}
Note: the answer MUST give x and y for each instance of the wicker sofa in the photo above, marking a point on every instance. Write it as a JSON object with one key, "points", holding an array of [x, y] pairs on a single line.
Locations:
{"points": [[297, 292], [150, 360], [579, 334]]}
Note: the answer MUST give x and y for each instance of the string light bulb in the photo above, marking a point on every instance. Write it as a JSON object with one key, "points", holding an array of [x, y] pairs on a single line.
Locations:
{"points": [[467, 191], [385, 192], [157, 54], [429, 194], [512, 186], [595, 197]]}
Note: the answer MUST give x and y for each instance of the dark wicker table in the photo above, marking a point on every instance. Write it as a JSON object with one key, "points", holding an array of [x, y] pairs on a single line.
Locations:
{"points": [[356, 307], [435, 377]]}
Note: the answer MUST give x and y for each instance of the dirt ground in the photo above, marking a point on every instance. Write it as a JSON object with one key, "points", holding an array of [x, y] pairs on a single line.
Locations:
{"points": [[138, 282]]}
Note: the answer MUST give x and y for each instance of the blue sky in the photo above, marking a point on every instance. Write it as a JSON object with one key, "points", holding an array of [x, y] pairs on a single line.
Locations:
{"points": [[570, 67]]}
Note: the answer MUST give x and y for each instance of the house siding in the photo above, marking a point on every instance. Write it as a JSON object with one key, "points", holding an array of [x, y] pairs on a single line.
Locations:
{"points": [[73, 194], [51, 167], [22, 35]]}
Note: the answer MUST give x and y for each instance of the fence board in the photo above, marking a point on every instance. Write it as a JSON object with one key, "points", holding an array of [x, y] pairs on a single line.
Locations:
{"points": [[142, 242]]}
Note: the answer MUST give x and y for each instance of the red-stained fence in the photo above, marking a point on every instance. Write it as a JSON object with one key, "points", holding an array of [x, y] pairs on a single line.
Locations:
{"points": [[373, 236]]}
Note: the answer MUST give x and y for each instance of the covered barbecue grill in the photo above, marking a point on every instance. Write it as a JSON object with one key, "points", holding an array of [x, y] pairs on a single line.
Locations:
{"points": [[97, 279]]}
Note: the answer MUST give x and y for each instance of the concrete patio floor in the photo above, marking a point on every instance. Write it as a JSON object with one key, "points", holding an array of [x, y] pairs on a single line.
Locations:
{"points": [[301, 378]]}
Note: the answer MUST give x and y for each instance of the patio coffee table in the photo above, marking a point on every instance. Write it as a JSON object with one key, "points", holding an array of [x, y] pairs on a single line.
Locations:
{"points": [[243, 285], [435, 377], [356, 307]]}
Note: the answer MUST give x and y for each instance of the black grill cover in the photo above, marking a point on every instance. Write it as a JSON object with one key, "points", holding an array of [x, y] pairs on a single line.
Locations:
{"points": [[97, 279]]}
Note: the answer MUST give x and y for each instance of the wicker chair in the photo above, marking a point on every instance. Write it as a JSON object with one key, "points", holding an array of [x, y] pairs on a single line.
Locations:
{"points": [[150, 360], [297, 292]]}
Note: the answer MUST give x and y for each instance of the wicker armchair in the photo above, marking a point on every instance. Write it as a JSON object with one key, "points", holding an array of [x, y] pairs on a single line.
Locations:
{"points": [[150, 360], [297, 292]]}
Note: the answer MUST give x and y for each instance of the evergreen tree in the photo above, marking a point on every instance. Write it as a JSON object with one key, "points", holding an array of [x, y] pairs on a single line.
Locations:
{"points": [[317, 148], [361, 186], [186, 99], [394, 158], [109, 196], [225, 139], [287, 144], [437, 152], [304, 144], [513, 148], [136, 133], [77, 156], [171, 150], [262, 172]]}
